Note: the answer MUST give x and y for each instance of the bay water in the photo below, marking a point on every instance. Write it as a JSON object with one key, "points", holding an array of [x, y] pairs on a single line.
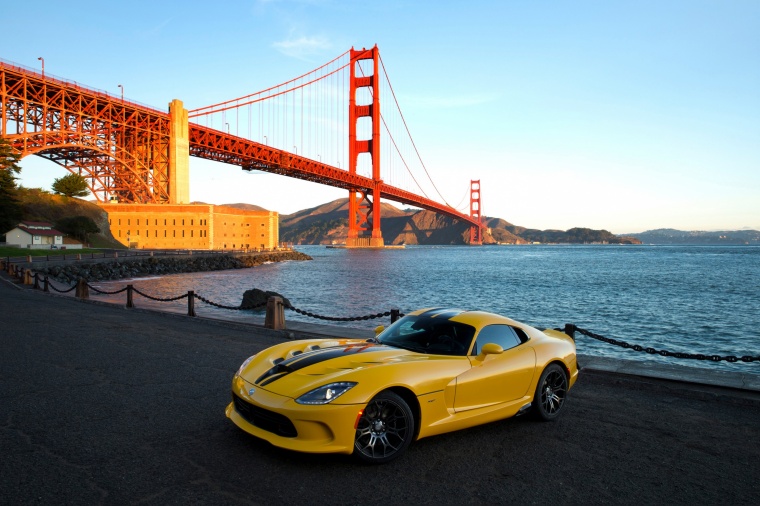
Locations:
{"points": [[691, 299]]}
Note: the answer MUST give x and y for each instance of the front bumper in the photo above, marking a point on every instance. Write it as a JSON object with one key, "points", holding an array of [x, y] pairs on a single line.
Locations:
{"points": [[325, 428]]}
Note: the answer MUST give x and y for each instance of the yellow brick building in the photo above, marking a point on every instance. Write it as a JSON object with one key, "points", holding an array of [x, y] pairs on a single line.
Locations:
{"points": [[192, 226]]}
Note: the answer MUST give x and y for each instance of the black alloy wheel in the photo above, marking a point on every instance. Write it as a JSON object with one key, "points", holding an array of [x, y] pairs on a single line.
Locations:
{"points": [[385, 429], [550, 393]]}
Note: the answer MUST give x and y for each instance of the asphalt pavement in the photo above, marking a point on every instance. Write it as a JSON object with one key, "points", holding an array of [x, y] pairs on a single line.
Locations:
{"points": [[100, 404]]}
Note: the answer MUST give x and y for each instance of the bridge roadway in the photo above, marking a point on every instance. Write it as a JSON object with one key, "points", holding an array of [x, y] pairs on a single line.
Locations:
{"points": [[104, 405]]}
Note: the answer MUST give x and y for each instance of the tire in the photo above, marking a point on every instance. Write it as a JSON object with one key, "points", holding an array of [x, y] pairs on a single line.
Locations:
{"points": [[551, 392], [385, 429]]}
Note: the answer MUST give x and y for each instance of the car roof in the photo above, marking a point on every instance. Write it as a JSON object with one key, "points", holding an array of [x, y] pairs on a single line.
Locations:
{"points": [[476, 319]]}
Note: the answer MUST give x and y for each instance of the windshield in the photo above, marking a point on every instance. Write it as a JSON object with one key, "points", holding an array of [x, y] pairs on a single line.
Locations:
{"points": [[429, 334]]}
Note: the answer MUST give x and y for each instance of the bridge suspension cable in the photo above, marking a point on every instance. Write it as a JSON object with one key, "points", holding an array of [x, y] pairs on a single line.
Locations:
{"points": [[411, 139], [236, 102], [308, 117]]}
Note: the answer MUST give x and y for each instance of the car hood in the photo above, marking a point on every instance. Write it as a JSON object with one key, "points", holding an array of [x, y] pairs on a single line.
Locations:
{"points": [[305, 371]]}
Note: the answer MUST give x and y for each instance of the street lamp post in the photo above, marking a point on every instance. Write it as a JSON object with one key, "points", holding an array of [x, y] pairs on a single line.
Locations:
{"points": [[43, 66], [228, 128], [266, 141], [122, 92]]}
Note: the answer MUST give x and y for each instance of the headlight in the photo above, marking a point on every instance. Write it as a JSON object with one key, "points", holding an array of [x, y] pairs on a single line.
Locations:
{"points": [[247, 361], [326, 394]]}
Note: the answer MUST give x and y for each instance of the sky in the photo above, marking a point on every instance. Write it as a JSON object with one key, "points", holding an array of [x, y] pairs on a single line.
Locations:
{"points": [[619, 115]]}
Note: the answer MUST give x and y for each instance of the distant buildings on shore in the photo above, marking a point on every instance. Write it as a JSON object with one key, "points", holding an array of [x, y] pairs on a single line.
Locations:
{"points": [[192, 226]]}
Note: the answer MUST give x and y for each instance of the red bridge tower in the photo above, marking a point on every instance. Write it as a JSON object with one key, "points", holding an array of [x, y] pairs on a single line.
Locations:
{"points": [[363, 213], [476, 232]]}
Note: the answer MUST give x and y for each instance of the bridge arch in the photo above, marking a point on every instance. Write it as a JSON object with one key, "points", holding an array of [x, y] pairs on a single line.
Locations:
{"points": [[110, 170]]}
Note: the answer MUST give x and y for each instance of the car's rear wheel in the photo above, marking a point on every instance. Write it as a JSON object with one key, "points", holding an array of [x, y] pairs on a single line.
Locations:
{"points": [[550, 393], [385, 429]]}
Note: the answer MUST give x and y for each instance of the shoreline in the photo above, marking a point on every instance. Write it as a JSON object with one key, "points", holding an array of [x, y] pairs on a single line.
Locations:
{"points": [[115, 269], [677, 372]]}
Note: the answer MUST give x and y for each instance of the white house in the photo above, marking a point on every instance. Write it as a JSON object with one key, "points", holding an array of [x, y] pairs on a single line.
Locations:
{"points": [[34, 235]]}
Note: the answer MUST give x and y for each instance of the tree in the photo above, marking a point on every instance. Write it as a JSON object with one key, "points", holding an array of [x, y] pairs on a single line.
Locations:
{"points": [[71, 185], [11, 212], [9, 158], [78, 226]]}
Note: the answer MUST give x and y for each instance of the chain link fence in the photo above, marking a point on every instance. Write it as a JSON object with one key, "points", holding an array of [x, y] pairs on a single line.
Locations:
{"points": [[569, 329]]}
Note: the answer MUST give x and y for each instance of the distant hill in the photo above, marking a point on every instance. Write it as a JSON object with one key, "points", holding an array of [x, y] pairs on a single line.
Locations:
{"points": [[40, 205], [328, 224], [245, 207], [672, 236]]}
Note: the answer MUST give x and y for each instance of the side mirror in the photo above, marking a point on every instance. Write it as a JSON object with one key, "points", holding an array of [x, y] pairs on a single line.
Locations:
{"points": [[379, 329], [490, 349]]}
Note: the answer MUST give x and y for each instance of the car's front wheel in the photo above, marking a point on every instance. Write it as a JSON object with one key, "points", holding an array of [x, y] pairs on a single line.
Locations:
{"points": [[385, 429], [550, 393]]}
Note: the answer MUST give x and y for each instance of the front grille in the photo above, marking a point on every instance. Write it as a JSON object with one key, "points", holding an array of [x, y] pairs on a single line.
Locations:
{"points": [[264, 419]]}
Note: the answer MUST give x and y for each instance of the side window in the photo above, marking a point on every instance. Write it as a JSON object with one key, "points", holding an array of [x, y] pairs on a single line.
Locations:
{"points": [[503, 335]]}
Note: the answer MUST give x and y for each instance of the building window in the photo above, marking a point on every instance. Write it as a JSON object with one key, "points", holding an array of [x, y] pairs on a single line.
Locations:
{"points": [[174, 233], [183, 223], [129, 222], [191, 222], [164, 222], [183, 233], [191, 233]]}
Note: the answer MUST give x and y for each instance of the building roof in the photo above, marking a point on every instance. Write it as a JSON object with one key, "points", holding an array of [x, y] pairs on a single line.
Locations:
{"points": [[36, 224], [48, 230]]}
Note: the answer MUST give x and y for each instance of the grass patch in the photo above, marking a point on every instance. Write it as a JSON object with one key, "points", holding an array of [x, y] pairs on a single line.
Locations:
{"points": [[6, 251]]}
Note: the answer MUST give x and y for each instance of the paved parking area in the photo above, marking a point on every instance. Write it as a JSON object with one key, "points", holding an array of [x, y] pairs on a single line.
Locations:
{"points": [[104, 405]]}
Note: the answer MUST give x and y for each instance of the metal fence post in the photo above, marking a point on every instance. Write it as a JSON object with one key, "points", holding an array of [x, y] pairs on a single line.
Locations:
{"points": [[82, 291], [130, 301], [191, 303], [275, 317]]}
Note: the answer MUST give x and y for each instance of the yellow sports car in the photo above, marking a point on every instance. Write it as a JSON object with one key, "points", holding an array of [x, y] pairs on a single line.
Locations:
{"points": [[430, 372]]}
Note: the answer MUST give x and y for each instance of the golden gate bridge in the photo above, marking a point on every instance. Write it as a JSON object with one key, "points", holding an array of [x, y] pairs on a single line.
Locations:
{"points": [[324, 126]]}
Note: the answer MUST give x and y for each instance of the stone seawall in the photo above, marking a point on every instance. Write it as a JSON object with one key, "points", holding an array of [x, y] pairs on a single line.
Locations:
{"points": [[155, 266]]}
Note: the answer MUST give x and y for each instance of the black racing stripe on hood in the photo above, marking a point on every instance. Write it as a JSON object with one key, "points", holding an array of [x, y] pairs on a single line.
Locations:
{"points": [[293, 364], [443, 313]]}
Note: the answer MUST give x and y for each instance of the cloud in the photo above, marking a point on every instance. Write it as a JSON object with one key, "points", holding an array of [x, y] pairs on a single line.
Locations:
{"points": [[303, 48], [450, 102], [154, 31]]}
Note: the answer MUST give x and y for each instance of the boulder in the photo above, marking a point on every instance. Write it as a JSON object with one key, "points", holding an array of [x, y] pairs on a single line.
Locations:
{"points": [[258, 298]]}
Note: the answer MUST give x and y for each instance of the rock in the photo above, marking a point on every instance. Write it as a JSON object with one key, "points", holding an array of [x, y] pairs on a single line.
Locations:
{"points": [[258, 299], [127, 268]]}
